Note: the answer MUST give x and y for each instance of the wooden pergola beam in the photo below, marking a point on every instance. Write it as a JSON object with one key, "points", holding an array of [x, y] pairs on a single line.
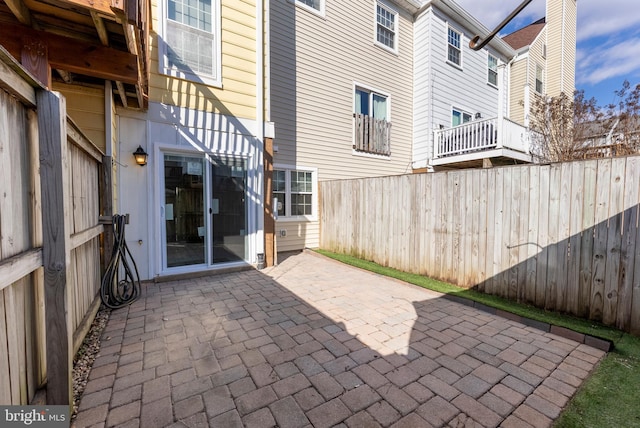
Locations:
{"points": [[74, 55], [101, 6], [20, 11]]}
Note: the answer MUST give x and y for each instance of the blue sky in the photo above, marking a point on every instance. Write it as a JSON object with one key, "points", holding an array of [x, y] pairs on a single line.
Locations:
{"points": [[608, 39]]}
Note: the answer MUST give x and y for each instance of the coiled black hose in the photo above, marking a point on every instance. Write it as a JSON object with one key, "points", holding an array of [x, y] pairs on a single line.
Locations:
{"points": [[119, 286]]}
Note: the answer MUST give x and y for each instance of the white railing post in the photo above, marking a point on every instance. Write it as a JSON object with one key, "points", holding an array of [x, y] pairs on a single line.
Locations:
{"points": [[500, 132]]}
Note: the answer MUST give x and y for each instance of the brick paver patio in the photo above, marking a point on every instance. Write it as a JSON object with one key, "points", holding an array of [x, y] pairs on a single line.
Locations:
{"points": [[313, 342]]}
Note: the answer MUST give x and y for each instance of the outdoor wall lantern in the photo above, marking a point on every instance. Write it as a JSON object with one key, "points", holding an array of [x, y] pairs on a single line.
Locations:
{"points": [[141, 156]]}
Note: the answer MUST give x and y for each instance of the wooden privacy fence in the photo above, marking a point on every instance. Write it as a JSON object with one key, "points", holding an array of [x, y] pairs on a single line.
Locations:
{"points": [[563, 237], [49, 239]]}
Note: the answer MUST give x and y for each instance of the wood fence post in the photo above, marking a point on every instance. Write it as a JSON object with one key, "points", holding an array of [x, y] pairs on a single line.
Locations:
{"points": [[52, 124]]}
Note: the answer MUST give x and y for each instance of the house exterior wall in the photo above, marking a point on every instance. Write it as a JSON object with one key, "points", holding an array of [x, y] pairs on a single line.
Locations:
{"points": [[518, 80], [237, 97], [315, 63], [85, 105], [195, 117], [441, 86], [561, 46]]}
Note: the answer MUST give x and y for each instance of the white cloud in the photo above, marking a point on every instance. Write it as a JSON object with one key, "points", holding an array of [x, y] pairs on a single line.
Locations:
{"points": [[612, 59], [596, 18], [492, 12]]}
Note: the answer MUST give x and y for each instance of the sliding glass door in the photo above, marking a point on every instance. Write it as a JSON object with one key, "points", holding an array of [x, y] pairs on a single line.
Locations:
{"points": [[229, 214], [184, 210], [204, 216]]}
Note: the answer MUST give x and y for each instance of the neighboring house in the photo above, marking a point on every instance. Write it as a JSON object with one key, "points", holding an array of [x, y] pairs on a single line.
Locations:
{"points": [[544, 64], [495, 131], [618, 136], [459, 94], [374, 88], [342, 101]]}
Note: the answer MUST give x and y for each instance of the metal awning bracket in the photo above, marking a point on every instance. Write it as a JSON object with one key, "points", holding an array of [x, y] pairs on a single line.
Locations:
{"points": [[473, 43]]}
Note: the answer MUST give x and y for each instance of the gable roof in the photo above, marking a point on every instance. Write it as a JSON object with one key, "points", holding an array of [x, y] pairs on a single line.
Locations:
{"points": [[525, 36]]}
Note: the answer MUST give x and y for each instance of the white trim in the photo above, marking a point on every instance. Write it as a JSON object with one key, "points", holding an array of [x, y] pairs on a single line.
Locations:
{"points": [[372, 90], [462, 111], [256, 246], [251, 209], [493, 85], [396, 29], [314, 192], [180, 74], [306, 7], [108, 114]]}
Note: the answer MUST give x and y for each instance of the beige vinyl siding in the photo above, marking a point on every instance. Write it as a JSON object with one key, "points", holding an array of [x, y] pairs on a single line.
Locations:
{"points": [[238, 94], [85, 105], [300, 234], [315, 62], [561, 42], [518, 82]]}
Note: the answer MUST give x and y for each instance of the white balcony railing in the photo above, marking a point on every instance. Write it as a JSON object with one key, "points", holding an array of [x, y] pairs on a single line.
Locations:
{"points": [[481, 135]]}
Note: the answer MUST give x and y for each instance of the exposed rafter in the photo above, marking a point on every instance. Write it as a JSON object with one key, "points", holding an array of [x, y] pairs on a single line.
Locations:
{"points": [[76, 56], [20, 11]]}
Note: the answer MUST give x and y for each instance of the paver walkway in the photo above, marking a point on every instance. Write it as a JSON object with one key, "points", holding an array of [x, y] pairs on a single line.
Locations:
{"points": [[313, 342]]}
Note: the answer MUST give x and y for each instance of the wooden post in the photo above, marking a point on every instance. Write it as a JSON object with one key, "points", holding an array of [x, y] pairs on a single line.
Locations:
{"points": [[269, 216], [52, 123], [106, 209]]}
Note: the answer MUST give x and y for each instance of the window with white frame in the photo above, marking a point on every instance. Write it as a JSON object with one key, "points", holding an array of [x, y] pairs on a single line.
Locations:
{"points": [[539, 79], [459, 117], [454, 46], [371, 103], [294, 190], [372, 126], [316, 6], [492, 70], [191, 43], [386, 26]]}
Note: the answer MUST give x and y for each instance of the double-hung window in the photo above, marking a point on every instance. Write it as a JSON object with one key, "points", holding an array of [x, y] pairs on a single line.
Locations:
{"points": [[386, 27], [539, 79], [372, 127], [492, 70], [191, 40], [454, 47], [294, 189]]}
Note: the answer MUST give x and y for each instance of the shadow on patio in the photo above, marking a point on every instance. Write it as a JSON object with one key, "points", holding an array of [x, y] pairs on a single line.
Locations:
{"points": [[313, 342]]}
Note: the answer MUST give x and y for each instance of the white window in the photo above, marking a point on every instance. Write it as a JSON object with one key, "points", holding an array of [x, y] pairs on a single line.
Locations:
{"points": [[372, 126], [459, 117], [539, 79], [315, 6], [191, 42], [454, 47], [294, 189], [386, 27], [492, 70], [371, 103]]}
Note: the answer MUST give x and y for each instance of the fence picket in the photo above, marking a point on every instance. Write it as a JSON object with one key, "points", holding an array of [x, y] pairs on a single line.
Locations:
{"points": [[561, 236]]}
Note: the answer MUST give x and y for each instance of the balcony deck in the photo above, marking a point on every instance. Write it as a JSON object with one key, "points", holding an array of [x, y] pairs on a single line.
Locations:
{"points": [[497, 141]]}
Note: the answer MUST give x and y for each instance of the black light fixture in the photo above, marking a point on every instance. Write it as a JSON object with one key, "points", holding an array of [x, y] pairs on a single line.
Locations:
{"points": [[141, 156]]}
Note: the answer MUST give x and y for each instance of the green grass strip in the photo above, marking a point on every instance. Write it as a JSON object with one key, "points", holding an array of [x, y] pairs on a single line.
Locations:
{"points": [[577, 324], [608, 398]]}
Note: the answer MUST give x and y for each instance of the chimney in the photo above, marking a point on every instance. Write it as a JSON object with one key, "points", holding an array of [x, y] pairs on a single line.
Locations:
{"points": [[561, 18]]}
